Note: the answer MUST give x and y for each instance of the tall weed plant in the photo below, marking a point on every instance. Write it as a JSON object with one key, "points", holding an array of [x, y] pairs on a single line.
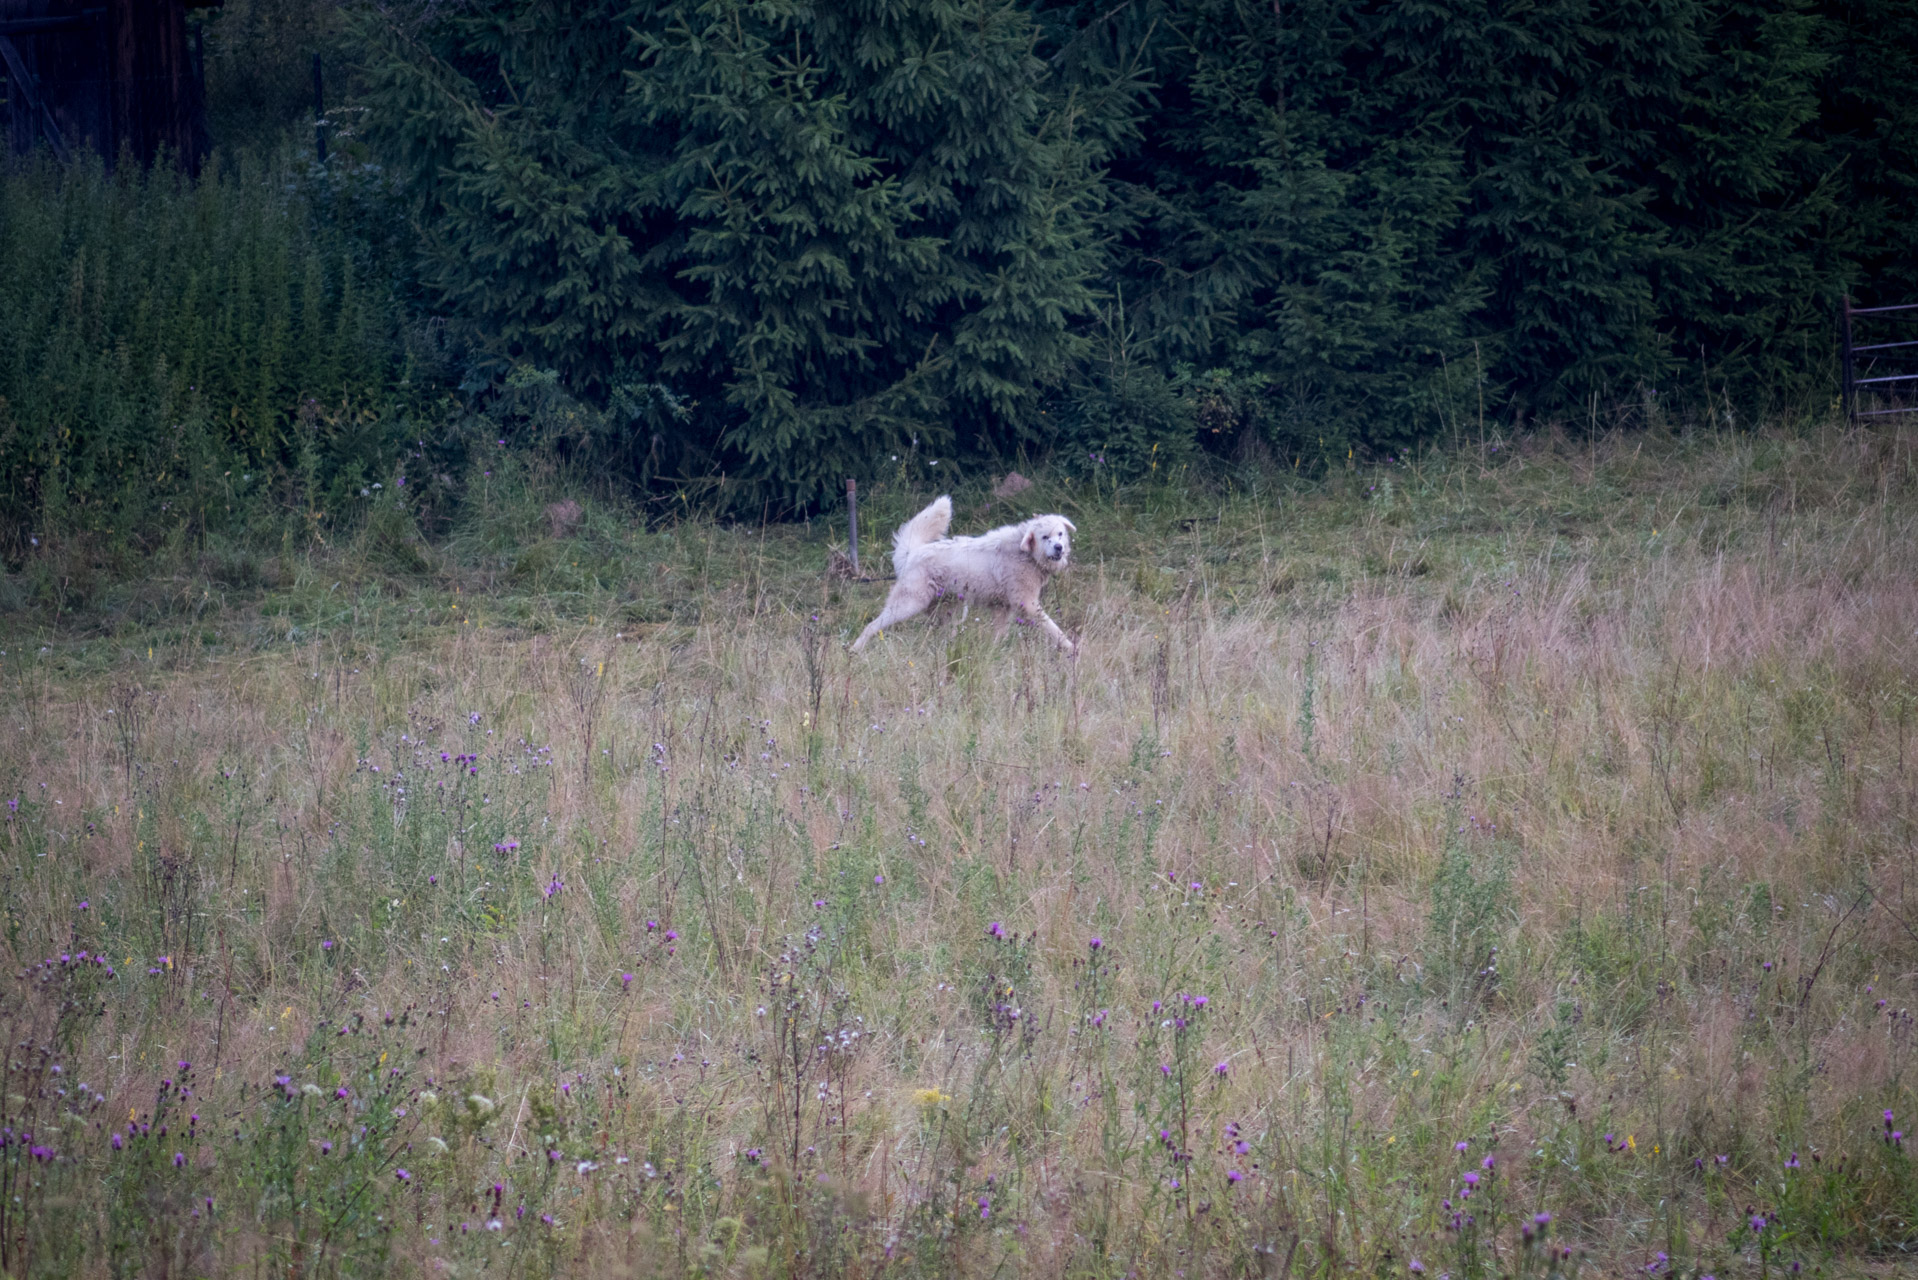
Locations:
{"points": [[179, 358]]}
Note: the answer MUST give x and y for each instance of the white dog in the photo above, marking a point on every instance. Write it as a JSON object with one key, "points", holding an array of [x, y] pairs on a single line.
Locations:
{"points": [[1002, 570]]}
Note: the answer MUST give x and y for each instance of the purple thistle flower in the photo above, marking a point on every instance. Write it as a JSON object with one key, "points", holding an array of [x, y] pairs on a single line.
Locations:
{"points": [[626, 979], [1487, 1163], [1095, 944], [116, 1142], [326, 1148], [1233, 1175], [1416, 1267], [1757, 1223], [879, 879], [402, 1175], [1471, 1179], [1791, 1161], [179, 1159], [1542, 1219], [1222, 1069], [326, 944], [1461, 1147], [1242, 1147]]}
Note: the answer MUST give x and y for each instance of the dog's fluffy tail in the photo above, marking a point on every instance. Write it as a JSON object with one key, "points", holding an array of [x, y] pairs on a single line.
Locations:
{"points": [[929, 525]]}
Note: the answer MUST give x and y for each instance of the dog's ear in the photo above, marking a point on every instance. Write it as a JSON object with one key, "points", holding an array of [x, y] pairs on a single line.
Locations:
{"points": [[1068, 524], [1025, 543]]}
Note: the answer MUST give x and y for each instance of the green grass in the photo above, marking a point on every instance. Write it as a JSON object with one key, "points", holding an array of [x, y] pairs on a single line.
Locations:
{"points": [[1552, 798]]}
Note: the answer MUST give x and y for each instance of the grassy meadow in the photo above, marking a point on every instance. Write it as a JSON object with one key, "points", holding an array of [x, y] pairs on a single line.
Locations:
{"points": [[1518, 830]]}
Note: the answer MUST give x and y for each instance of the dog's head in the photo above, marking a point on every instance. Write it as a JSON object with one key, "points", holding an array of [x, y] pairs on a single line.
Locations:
{"points": [[1048, 540]]}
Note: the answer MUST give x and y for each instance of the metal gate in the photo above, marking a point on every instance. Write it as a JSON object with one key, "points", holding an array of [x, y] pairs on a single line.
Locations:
{"points": [[1887, 379]]}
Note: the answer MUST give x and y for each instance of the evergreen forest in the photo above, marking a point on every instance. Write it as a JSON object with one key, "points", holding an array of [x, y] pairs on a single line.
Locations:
{"points": [[741, 251]]}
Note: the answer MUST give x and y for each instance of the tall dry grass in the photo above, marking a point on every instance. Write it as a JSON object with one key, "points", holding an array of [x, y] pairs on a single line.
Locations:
{"points": [[1555, 802]]}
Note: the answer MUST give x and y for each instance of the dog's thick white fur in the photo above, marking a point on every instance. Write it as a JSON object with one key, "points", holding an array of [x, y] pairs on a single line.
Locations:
{"points": [[1003, 570]]}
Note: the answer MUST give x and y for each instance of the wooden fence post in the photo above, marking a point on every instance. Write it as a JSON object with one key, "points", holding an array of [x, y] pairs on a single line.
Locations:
{"points": [[1849, 392], [852, 520]]}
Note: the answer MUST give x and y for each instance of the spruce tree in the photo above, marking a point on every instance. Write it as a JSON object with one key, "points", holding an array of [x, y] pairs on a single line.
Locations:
{"points": [[825, 231]]}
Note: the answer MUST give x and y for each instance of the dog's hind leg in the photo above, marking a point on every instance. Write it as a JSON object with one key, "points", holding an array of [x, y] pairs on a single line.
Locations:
{"points": [[899, 607], [1001, 620]]}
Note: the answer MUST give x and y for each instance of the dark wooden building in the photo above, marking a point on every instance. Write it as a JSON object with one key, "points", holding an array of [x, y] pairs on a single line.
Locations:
{"points": [[112, 76]]}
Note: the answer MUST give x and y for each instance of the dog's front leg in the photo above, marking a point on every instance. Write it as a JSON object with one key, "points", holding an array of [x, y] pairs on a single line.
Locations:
{"points": [[1032, 610], [1059, 637]]}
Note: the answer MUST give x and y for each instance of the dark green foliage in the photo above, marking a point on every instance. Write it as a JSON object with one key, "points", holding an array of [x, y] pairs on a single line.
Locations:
{"points": [[1362, 209], [1122, 417], [178, 356], [754, 248], [1266, 225], [259, 71], [1869, 124], [779, 240], [1749, 195], [819, 232]]}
